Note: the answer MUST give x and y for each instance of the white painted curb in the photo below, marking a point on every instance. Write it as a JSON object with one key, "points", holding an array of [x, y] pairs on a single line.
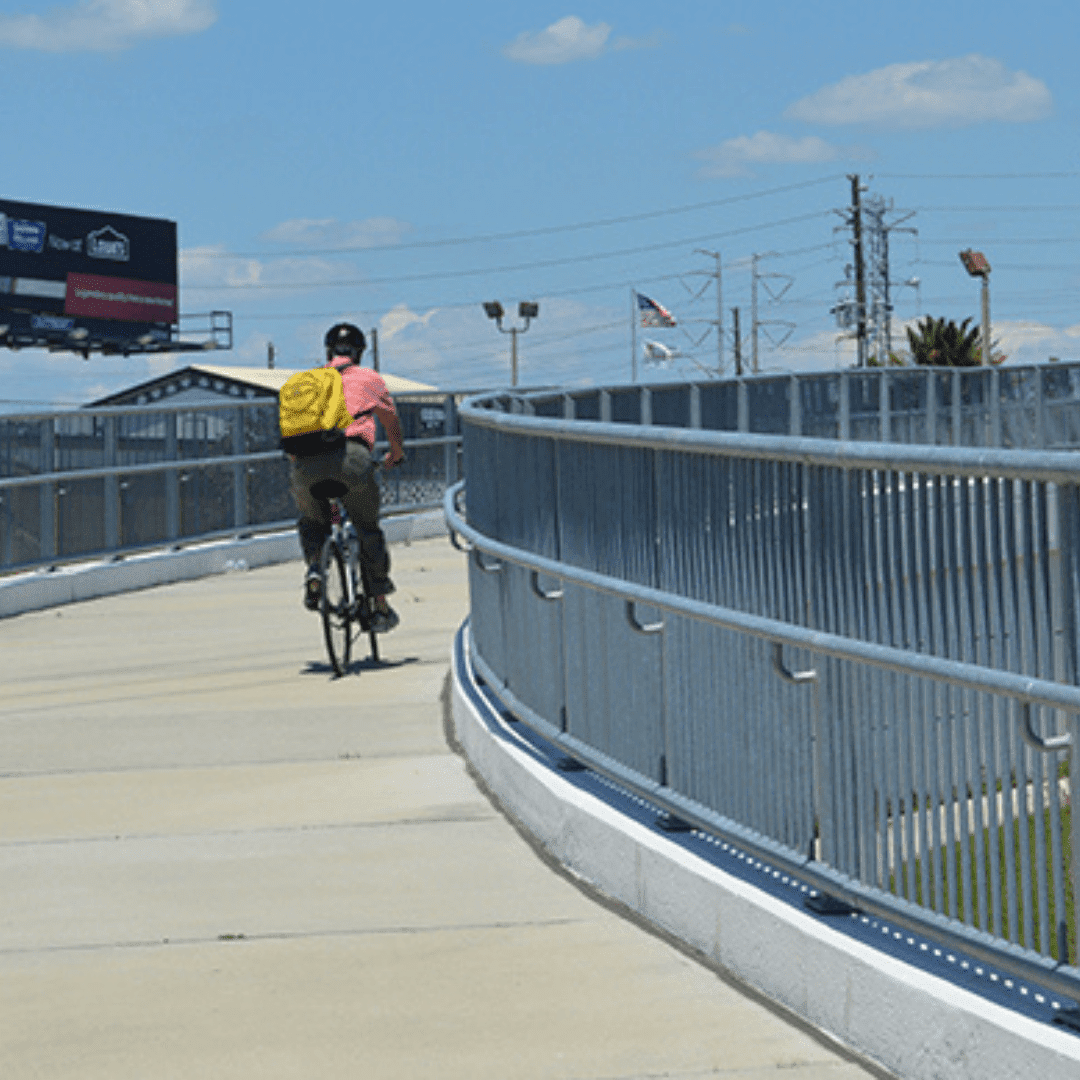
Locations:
{"points": [[915, 1025], [84, 581]]}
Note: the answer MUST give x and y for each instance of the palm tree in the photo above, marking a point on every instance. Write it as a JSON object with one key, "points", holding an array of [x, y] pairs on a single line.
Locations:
{"points": [[944, 344]]}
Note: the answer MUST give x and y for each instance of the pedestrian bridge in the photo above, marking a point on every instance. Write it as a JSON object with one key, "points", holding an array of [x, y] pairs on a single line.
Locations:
{"points": [[676, 598]]}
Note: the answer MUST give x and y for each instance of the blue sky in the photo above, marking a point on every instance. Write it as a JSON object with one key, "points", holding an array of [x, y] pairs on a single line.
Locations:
{"points": [[399, 164]]}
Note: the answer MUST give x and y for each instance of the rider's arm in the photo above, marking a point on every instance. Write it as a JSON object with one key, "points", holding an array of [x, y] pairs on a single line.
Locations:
{"points": [[388, 418]]}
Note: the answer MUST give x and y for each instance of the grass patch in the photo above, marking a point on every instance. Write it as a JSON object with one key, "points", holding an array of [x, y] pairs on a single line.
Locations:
{"points": [[1010, 888]]}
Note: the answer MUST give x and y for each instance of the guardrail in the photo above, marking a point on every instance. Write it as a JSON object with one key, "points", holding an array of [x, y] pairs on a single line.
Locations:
{"points": [[858, 660], [1017, 407], [94, 482]]}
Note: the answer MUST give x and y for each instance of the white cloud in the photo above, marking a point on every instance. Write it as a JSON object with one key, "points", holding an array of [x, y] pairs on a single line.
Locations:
{"points": [[563, 41], [105, 25], [928, 93], [329, 232], [399, 318], [208, 268], [736, 157]]}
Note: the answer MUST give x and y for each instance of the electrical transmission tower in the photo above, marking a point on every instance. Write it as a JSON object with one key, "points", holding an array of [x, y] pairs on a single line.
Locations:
{"points": [[878, 285], [865, 309], [714, 277], [756, 323]]}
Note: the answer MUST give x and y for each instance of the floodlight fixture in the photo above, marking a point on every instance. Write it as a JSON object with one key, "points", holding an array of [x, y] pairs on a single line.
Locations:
{"points": [[975, 263], [527, 310]]}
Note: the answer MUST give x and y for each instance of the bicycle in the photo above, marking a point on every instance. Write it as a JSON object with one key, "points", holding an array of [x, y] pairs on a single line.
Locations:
{"points": [[346, 593]]}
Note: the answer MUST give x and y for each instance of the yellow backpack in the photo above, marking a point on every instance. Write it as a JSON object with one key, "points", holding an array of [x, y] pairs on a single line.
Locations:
{"points": [[312, 413]]}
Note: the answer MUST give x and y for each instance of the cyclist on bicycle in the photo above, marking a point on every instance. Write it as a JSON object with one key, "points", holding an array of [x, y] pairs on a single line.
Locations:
{"points": [[352, 463]]}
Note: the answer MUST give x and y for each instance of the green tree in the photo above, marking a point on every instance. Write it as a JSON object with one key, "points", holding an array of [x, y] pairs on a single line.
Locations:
{"points": [[938, 343]]}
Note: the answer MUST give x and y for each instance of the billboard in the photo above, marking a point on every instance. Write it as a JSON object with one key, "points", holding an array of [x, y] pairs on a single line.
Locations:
{"points": [[84, 279]]}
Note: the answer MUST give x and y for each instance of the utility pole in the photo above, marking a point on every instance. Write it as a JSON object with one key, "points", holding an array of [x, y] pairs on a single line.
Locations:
{"points": [[860, 273], [375, 348], [753, 313], [737, 341], [270, 353]]}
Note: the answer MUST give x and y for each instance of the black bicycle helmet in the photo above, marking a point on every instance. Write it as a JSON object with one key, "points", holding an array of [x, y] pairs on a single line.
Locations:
{"points": [[344, 339]]}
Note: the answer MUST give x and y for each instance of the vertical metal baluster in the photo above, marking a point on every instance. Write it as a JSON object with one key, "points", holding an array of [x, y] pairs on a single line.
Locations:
{"points": [[1043, 641], [925, 718], [973, 822], [907, 736], [945, 524], [1027, 760], [893, 547], [865, 719], [989, 621], [1057, 669], [1008, 651]]}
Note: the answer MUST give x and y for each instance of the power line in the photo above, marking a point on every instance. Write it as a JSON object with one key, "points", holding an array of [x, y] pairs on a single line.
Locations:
{"points": [[536, 265], [521, 234]]}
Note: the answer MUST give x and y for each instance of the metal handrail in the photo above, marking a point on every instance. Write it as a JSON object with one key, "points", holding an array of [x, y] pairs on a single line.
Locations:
{"points": [[1052, 466], [1022, 688], [1027, 691]]}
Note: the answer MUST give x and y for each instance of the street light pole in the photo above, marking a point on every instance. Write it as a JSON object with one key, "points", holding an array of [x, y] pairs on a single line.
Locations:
{"points": [[977, 265], [528, 311]]}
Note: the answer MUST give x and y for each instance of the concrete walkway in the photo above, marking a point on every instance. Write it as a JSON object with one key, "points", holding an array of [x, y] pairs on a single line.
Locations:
{"points": [[218, 863]]}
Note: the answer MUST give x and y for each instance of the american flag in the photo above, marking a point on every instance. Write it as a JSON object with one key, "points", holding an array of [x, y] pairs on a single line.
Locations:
{"points": [[652, 313]]}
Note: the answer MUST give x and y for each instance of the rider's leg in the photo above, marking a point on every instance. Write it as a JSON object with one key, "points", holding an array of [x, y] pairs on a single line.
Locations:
{"points": [[362, 503], [313, 525]]}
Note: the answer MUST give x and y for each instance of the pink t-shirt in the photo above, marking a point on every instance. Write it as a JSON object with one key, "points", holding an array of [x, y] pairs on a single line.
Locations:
{"points": [[364, 390]]}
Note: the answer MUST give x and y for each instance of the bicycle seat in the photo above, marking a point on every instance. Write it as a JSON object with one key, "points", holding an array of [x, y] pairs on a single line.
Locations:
{"points": [[329, 489]]}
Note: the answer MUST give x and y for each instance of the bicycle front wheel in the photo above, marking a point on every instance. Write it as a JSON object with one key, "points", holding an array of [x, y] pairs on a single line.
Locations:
{"points": [[336, 607]]}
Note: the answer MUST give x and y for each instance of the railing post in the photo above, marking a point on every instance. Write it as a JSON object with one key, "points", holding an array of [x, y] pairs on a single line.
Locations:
{"points": [[568, 408], [171, 478], [605, 406], [845, 407], [795, 408], [931, 407], [7, 528], [885, 404], [646, 406], [450, 449], [1074, 783], [695, 406], [239, 470], [1040, 412], [742, 400], [957, 419], [48, 492], [995, 407], [111, 494]]}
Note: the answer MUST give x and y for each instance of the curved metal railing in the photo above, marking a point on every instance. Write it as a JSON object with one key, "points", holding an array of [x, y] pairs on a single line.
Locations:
{"points": [[857, 659]]}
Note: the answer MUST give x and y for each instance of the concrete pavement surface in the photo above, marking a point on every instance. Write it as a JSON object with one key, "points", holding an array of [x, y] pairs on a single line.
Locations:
{"points": [[219, 862]]}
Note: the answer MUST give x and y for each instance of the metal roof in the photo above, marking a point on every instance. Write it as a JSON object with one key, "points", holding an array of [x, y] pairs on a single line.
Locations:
{"points": [[212, 381]]}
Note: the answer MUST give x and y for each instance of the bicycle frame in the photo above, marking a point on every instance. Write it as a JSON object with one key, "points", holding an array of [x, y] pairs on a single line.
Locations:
{"points": [[340, 565]]}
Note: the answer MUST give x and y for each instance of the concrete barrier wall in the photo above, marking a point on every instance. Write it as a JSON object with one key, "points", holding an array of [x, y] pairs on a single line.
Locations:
{"points": [[912, 1023], [84, 581]]}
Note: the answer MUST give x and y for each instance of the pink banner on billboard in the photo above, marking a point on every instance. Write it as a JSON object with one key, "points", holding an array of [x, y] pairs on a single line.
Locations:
{"points": [[120, 298]]}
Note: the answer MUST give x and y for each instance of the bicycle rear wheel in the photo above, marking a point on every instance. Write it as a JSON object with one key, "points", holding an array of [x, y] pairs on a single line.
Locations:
{"points": [[336, 607], [365, 601]]}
